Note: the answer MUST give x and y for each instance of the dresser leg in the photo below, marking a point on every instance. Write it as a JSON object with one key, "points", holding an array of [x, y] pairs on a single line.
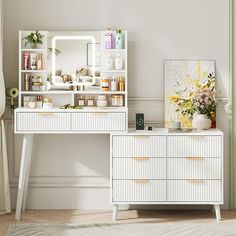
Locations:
{"points": [[114, 213], [29, 153], [23, 169], [217, 212]]}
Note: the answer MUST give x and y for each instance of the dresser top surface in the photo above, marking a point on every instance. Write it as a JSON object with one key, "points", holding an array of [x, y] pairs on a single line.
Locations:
{"points": [[163, 131]]}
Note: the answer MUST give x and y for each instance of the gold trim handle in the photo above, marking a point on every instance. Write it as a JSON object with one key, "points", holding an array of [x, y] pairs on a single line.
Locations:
{"points": [[195, 181], [99, 113], [141, 181], [141, 158], [195, 158], [141, 136], [45, 113]]}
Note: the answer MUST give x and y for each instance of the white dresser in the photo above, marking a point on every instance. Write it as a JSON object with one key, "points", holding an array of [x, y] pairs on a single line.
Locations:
{"points": [[152, 167]]}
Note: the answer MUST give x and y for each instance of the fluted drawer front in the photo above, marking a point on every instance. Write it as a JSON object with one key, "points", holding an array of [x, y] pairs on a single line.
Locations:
{"points": [[139, 191], [139, 146], [42, 121], [199, 168], [139, 168], [194, 146], [100, 122], [194, 190]]}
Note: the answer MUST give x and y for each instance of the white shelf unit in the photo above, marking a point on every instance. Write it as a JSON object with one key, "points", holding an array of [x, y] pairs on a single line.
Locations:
{"points": [[26, 48], [69, 95], [116, 118], [112, 53]]}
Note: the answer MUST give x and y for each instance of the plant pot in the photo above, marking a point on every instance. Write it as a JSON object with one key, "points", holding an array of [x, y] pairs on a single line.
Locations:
{"points": [[33, 45], [201, 122]]}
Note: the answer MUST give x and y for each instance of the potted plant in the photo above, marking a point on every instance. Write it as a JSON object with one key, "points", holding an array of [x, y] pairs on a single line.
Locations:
{"points": [[34, 39]]}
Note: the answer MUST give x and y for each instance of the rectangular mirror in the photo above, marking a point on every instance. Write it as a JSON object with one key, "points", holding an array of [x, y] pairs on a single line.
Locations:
{"points": [[73, 57]]}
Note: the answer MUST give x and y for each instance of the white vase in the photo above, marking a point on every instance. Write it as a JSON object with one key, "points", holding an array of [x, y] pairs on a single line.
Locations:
{"points": [[201, 122]]}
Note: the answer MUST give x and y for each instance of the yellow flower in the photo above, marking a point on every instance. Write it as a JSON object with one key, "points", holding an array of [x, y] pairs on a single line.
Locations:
{"points": [[174, 98]]}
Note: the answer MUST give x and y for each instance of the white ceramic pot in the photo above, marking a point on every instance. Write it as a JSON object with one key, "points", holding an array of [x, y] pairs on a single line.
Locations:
{"points": [[201, 122]]}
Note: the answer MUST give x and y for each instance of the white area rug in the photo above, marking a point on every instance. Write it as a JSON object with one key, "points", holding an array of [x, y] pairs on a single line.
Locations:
{"points": [[135, 229]]}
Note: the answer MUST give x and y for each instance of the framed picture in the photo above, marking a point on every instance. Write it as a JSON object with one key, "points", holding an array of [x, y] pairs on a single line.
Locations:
{"points": [[189, 90], [97, 54]]}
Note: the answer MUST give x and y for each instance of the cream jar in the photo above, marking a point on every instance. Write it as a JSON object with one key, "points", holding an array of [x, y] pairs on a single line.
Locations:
{"points": [[102, 101], [47, 103], [31, 105]]}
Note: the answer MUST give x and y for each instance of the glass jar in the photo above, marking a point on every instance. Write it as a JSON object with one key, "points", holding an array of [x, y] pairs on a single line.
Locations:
{"points": [[105, 85], [117, 100]]}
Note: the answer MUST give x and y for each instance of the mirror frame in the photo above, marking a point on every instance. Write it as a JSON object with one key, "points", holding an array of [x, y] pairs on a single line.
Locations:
{"points": [[56, 38]]}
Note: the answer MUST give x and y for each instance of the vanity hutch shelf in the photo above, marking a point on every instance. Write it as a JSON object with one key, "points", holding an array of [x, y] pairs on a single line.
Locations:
{"points": [[105, 119]]}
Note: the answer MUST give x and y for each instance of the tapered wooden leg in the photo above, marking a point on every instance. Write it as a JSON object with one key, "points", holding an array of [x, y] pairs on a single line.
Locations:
{"points": [[114, 213], [23, 167], [217, 212], [29, 152]]}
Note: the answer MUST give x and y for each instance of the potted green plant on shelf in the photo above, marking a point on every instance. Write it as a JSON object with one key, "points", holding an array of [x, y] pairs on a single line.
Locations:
{"points": [[34, 39]]}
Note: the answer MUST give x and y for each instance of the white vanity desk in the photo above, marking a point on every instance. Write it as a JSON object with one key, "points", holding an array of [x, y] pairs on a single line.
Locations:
{"points": [[33, 121]]}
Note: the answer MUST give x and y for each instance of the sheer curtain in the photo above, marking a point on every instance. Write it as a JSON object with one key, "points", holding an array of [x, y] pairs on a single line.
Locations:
{"points": [[4, 180]]}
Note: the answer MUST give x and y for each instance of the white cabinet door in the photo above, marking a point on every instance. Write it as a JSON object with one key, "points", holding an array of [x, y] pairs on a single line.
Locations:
{"points": [[139, 146], [139, 168], [42, 122], [193, 190], [194, 168], [194, 146], [139, 190], [99, 122]]}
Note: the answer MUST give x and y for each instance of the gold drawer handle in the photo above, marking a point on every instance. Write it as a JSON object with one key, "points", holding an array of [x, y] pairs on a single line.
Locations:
{"points": [[196, 181], [197, 137], [141, 158], [141, 181], [195, 158], [99, 113], [141, 136], [45, 113]]}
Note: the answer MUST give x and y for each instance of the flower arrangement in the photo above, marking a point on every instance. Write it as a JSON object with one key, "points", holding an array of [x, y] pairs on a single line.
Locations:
{"points": [[34, 39], [196, 97]]}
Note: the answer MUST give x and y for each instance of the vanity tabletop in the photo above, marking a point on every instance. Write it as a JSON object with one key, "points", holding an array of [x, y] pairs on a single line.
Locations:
{"points": [[85, 109], [165, 131]]}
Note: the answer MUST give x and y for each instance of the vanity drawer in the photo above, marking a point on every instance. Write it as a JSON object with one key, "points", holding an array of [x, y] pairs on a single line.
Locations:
{"points": [[42, 121], [197, 168], [139, 168], [194, 190], [194, 146], [139, 190], [139, 146], [99, 122]]}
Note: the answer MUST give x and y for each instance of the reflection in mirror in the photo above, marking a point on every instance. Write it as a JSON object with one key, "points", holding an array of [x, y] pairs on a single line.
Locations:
{"points": [[74, 58]]}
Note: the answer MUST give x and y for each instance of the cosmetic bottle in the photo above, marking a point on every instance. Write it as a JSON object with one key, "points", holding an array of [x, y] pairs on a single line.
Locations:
{"points": [[121, 83], [118, 62], [108, 39], [81, 101], [90, 101], [108, 62], [113, 84], [119, 39], [27, 81], [26, 61]]}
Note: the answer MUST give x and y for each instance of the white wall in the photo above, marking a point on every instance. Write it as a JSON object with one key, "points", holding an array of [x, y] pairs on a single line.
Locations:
{"points": [[66, 172]]}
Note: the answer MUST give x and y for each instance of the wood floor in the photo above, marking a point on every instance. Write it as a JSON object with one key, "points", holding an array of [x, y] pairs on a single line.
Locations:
{"points": [[104, 216]]}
